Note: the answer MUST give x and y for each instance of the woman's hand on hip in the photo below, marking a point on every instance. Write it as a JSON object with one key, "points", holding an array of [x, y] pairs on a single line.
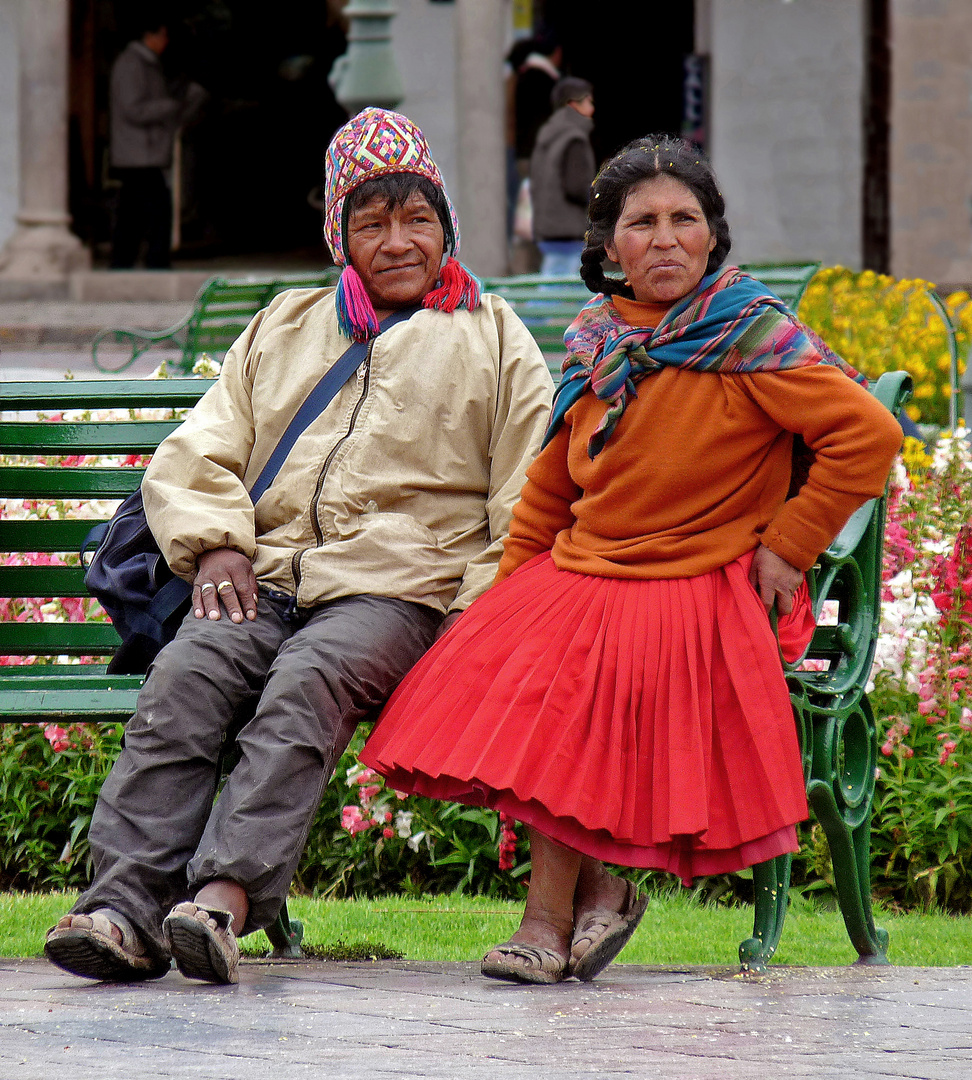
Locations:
{"points": [[224, 575], [774, 579]]}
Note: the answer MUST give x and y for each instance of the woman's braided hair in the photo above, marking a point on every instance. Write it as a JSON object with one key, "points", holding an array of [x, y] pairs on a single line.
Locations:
{"points": [[644, 159]]}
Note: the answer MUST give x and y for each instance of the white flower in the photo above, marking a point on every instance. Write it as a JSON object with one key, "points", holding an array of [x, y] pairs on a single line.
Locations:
{"points": [[403, 824], [354, 772], [206, 367], [416, 840]]}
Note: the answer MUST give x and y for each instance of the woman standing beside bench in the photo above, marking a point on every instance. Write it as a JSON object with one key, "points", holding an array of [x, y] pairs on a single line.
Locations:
{"points": [[619, 689]]}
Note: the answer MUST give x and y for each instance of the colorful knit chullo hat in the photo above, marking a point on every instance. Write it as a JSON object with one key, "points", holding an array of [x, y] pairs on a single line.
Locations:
{"points": [[374, 143]]}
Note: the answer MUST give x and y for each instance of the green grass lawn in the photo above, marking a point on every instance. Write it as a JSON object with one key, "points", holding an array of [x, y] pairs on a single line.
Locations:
{"points": [[674, 931]]}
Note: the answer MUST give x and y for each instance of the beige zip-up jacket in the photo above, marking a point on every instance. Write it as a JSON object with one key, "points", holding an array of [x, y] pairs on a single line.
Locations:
{"points": [[402, 487]]}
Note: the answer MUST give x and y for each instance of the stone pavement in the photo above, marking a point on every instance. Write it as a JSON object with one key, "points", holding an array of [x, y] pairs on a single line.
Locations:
{"points": [[53, 362], [30, 324], [404, 1020]]}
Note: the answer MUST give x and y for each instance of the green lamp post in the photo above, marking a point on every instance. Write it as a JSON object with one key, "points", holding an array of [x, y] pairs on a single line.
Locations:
{"points": [[367, 74]]}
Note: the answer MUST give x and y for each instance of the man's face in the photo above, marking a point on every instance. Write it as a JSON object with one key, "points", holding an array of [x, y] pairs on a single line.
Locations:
{"points": [[396, 251], [156, 40]]}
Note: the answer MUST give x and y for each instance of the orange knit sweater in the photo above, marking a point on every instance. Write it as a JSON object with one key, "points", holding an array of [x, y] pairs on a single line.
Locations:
{"points": [[697, 471]]}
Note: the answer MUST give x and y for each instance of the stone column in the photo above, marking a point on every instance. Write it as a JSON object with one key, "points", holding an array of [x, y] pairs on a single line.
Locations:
{"points": [[931, 141], [43, 251], [480, 34], [367, 74]]}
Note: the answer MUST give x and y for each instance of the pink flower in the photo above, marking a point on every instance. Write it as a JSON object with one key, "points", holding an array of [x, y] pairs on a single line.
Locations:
{"points": [[948, 749], [353, 820], [387, 833], [365, 776], [366, 794], [57, 737]]}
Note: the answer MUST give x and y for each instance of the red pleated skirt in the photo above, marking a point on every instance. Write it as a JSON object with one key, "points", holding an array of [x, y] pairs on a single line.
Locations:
{"points": [[641, 722]]}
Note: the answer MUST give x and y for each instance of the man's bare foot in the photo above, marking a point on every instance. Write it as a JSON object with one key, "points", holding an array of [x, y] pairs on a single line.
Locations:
{"points": [[225, 896], [85, 922]]}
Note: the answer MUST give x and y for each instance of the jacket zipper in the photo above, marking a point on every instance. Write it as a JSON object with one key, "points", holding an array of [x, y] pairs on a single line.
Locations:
{"points": [[364, 377]]}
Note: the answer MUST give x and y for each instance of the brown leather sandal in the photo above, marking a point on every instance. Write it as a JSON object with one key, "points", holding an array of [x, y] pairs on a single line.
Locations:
{"points": [[203, 943], [606, 932], [525, 963], [83, 945]]}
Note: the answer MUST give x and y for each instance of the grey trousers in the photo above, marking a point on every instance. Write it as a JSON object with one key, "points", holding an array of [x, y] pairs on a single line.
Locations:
{"points": [[156, 835]]}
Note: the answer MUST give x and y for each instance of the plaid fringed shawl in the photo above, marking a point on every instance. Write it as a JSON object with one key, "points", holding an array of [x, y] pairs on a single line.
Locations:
{"points": [[731, 324]]}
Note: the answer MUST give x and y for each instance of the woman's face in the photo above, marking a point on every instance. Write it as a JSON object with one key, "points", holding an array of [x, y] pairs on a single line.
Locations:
{"points": [[662, 240]]}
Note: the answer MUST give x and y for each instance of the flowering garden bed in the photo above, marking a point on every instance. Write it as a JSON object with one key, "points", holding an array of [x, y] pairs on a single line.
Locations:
{"points": [[367, 839]]}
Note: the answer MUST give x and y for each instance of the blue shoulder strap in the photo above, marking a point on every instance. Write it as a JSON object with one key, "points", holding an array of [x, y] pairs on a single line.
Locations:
{"points": [[317, 400]]}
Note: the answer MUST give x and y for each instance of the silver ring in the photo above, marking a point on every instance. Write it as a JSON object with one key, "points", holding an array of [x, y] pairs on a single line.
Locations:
{"points": [[208, 585], [224, 585]]}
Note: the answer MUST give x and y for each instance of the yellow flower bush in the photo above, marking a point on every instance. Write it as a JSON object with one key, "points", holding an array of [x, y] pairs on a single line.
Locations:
{"points": [[877, 324]]}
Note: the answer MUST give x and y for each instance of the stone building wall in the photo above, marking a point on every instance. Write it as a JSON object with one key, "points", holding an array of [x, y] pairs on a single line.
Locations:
{"points": [[9, 127], [423, 38], [786, 133], [931, 140]]}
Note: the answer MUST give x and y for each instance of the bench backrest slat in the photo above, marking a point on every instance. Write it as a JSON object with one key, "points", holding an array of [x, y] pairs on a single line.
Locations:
{"points": [[44, 582], [26, 482], [46, 536], [103, 394], [84, 437], [56, 639]]}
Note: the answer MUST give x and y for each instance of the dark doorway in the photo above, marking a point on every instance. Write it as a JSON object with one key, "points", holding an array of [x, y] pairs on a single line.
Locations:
{"points": [[633, 51], [251, 166]]}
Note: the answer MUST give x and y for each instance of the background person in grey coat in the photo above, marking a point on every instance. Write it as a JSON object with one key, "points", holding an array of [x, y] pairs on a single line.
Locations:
{"points": [[562, 170], [145, 115]]}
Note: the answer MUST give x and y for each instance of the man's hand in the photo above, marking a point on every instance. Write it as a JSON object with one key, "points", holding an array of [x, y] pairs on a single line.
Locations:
{"points": [[774, 579], [227, 576]]}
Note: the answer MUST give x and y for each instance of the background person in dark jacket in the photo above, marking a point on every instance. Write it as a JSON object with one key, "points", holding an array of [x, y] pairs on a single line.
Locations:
{"points": [[145, 116], [562, 170]]}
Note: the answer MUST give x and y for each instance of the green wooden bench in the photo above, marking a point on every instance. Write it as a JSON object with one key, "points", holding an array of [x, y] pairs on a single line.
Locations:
{"points": [[219, 314], [548, 305], [72, 685], [831, 710]]}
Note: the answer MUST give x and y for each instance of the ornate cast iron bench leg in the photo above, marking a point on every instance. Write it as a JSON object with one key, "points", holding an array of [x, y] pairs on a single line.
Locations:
{"points": [[771, 882], [285, 936], [836, 726]]}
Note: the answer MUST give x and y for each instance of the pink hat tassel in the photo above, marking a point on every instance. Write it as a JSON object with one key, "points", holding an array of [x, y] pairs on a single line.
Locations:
{"points": [[356, 316]]}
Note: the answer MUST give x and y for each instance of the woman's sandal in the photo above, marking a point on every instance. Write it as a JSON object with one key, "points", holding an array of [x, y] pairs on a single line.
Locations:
{"points": [[83, 945], [543, 966], [607, 933], [202, 942]]}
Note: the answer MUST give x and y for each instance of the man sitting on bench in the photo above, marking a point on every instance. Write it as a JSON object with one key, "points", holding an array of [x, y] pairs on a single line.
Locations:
{"points": [[382, 525]]}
